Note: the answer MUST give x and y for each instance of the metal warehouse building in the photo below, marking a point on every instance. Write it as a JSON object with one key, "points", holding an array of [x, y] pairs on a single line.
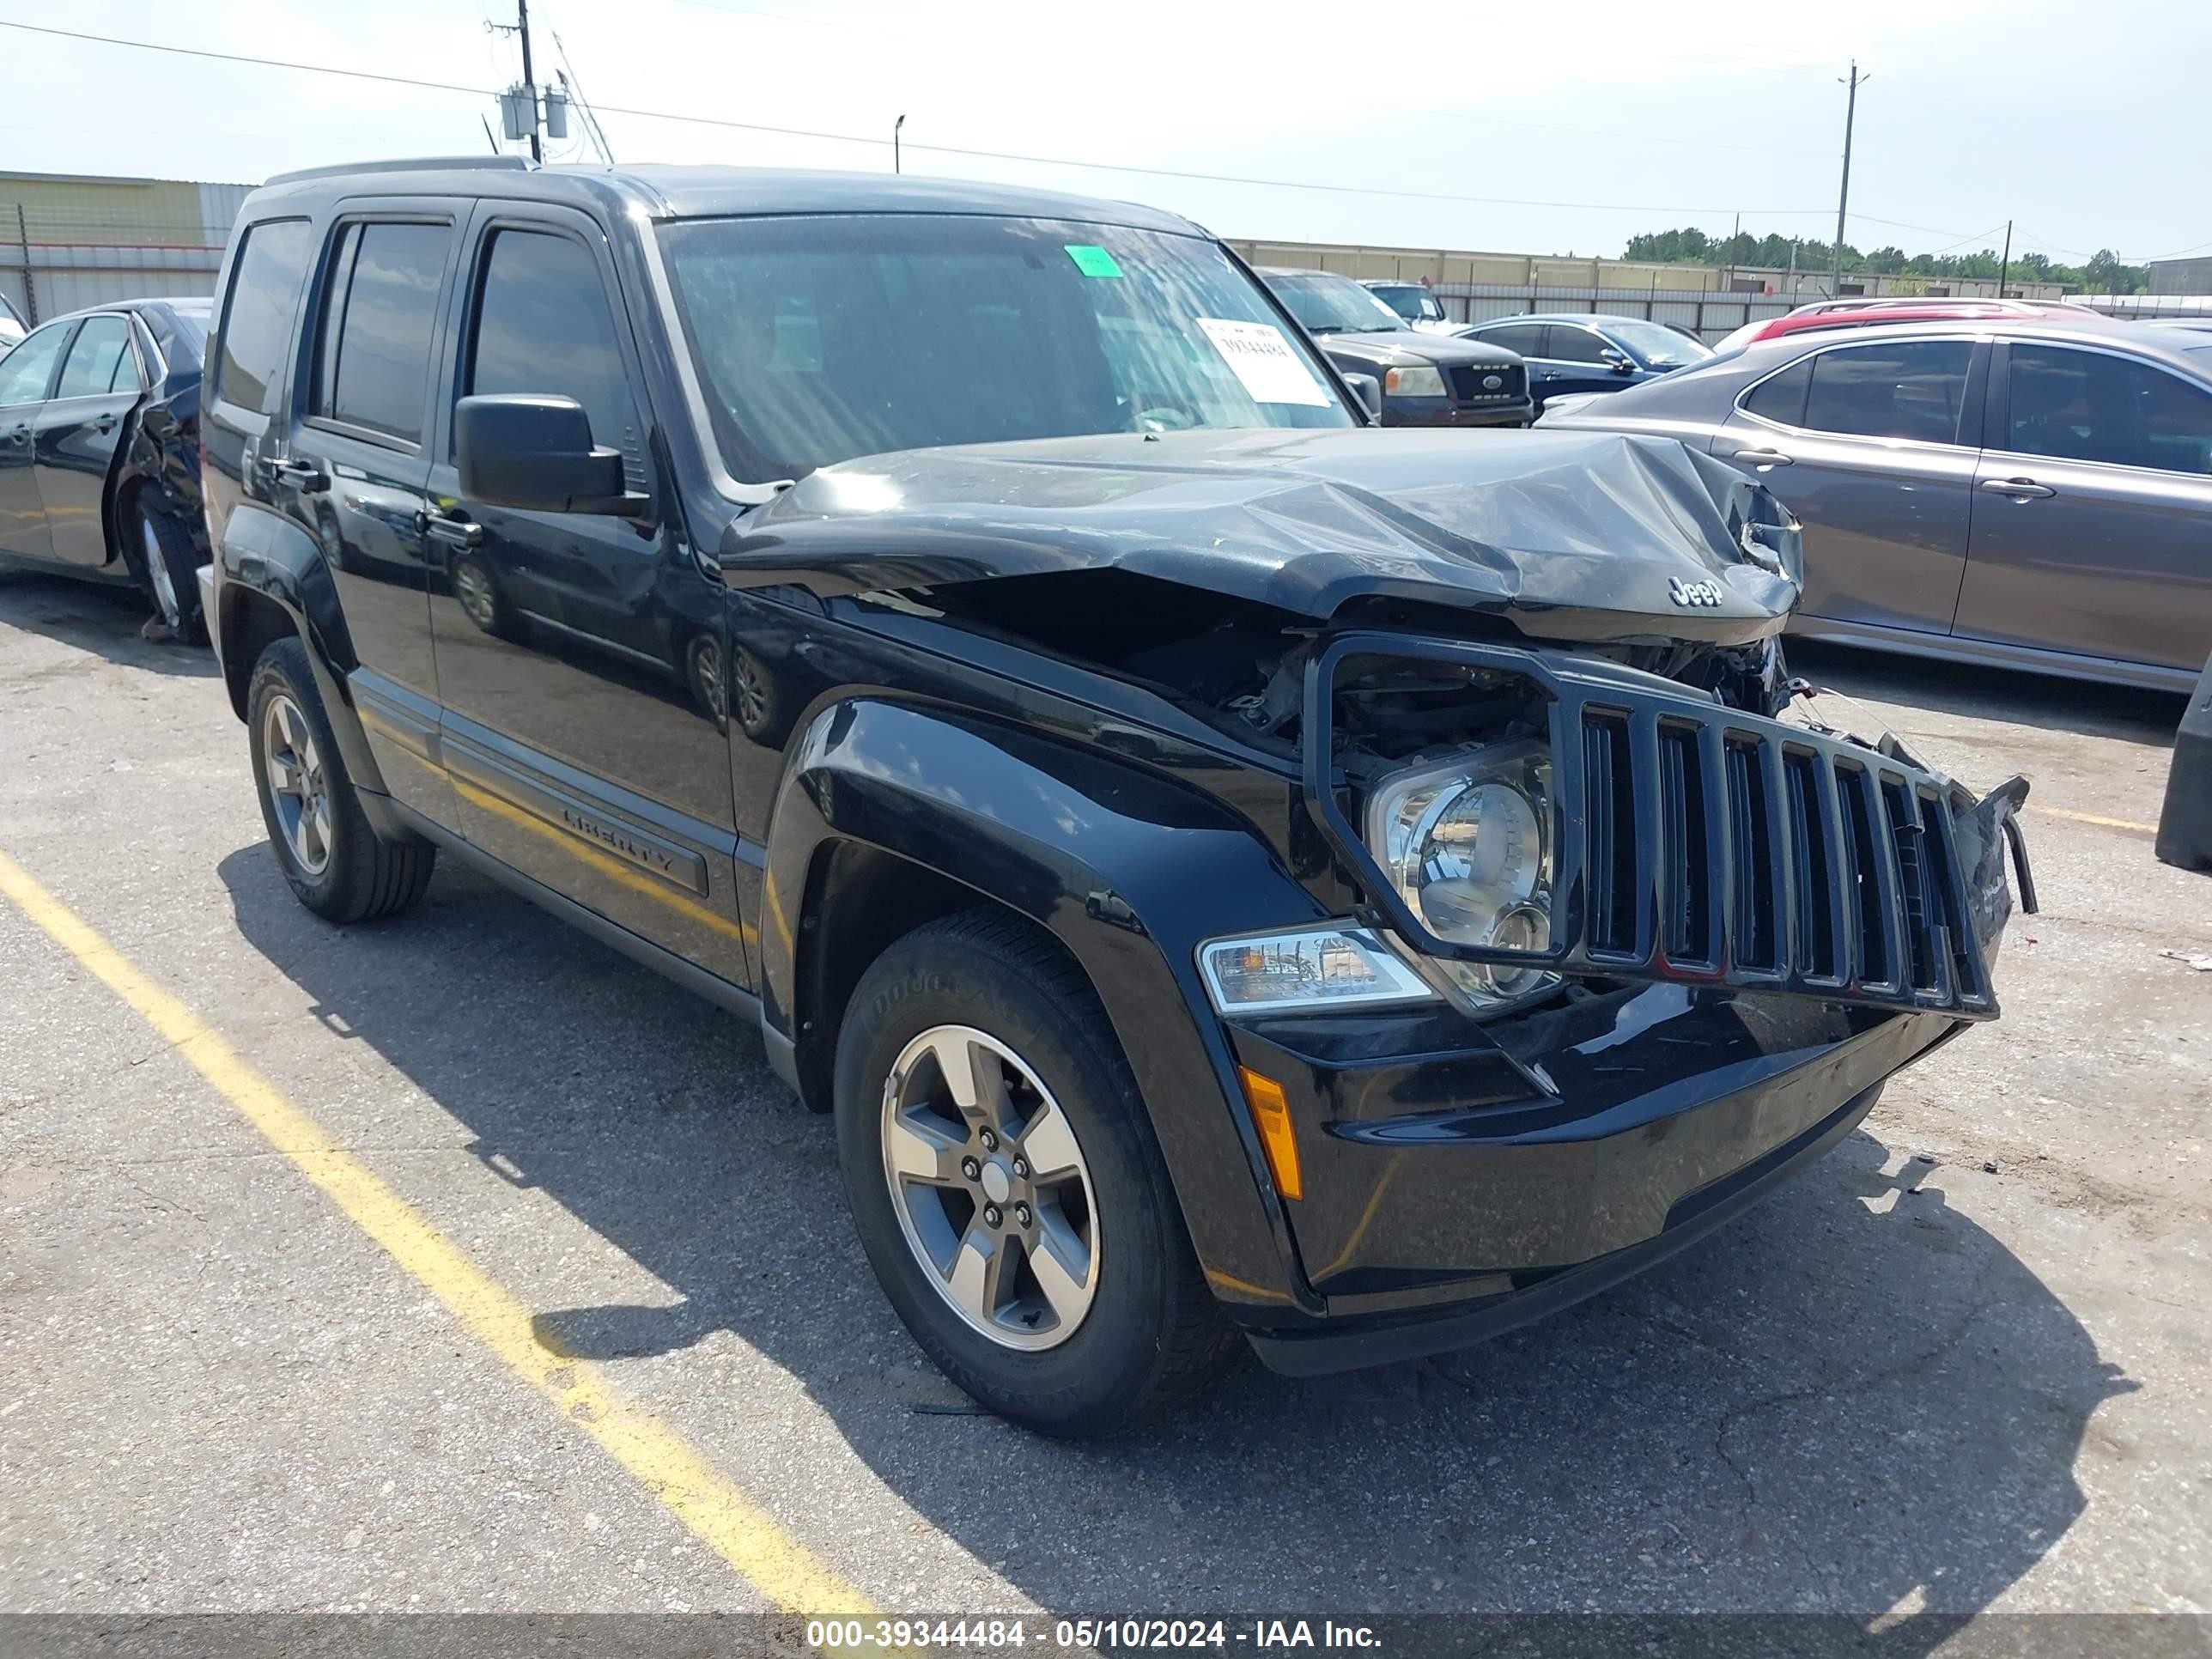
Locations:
{"points": [[68, 240], [2181, 276]]}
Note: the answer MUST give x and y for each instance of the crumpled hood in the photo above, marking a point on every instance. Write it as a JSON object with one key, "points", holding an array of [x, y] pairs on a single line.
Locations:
{"points": [[1570, 535]]}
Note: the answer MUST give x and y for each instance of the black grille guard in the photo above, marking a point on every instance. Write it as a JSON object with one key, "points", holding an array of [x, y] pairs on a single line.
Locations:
{"points": [[1698, 844]]}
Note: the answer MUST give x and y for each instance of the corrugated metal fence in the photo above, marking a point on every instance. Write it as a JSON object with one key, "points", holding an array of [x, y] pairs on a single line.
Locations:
{"points": [[1706, 315], [57, 258]]}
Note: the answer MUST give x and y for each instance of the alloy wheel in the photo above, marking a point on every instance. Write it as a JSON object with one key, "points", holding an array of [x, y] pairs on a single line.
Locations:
{"points": [[473, 589], [990, 1188], [299, 788], [747, 693], [157, 573]]}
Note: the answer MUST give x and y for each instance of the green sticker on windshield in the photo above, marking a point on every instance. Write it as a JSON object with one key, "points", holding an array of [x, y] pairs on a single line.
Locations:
{"points": [[1092, 261]]}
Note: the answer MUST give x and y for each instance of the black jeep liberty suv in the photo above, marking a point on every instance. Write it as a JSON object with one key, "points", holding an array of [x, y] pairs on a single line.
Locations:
{"points": [[1228, 868]]}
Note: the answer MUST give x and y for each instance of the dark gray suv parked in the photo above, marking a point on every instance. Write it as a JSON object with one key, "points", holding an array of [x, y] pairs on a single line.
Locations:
{"points": [[2034, 495]]}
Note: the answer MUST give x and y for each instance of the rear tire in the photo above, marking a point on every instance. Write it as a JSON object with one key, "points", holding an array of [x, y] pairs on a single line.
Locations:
{"points": [[334, 860], [166, 563], [1140, 1330]]}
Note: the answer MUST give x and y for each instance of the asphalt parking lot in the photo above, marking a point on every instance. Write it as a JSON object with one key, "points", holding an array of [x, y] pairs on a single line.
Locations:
{"points": [[1959, 1367]]}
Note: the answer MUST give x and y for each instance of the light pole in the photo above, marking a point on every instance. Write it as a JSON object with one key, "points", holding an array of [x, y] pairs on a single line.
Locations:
{"points": [[896, 125], [1844, 196]]}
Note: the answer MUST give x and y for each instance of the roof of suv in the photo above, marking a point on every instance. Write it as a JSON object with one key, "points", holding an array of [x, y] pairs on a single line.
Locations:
{"points": [[711, 192]]}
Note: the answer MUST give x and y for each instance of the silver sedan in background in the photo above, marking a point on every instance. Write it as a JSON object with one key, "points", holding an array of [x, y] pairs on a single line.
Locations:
{"points": [[2032, 495]]}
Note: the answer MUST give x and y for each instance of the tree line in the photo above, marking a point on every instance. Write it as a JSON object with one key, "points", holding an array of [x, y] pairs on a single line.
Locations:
{"points": [[2103, 273]]}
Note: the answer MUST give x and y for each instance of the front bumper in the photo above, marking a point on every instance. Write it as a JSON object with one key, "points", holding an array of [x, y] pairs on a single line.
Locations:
{"points": [[1461, 1177], [1453, 1216]]}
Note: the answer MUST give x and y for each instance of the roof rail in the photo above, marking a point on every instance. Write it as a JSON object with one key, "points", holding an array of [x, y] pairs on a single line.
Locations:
{"points": [[417, 164]]}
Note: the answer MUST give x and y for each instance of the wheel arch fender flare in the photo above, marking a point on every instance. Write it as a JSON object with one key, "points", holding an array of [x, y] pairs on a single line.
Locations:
{"points": [[263, 558], [1128, 869]]}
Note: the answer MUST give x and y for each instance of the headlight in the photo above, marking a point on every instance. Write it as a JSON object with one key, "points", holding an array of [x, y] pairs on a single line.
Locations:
{"points": [[1305, 970], [1414, 382], [1469, 847]]}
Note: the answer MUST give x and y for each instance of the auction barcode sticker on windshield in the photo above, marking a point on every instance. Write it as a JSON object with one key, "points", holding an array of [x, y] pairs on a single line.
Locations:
{"points": [[1263, 359]]}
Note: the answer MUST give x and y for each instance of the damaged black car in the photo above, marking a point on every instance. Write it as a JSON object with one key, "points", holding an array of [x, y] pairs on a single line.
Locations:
{"points": [[1231, 872]]}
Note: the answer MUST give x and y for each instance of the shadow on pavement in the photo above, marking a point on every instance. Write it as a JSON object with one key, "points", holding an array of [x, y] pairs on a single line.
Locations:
{"points": [[102, 618], [1851, 1400], [2038, 700]]}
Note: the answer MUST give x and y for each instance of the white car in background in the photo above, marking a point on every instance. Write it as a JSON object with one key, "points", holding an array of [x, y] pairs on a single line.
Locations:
{"points": [[12, 328]]}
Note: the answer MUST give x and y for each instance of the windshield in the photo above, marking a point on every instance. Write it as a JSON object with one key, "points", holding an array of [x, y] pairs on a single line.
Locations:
{"points": [[821, 338], [1333, 305], [1409, 300], [1655, 342]]}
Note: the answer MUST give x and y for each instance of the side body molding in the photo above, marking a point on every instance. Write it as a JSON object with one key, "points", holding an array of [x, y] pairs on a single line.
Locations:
{"points": [[1034, 822]]}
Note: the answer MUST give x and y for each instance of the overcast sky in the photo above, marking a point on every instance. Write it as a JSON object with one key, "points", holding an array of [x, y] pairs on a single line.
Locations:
{"points": [[1619, 115]]}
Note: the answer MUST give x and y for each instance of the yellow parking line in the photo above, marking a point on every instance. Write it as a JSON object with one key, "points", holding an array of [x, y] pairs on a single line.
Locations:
{"points": [[2128, 824], [723, 1519]]}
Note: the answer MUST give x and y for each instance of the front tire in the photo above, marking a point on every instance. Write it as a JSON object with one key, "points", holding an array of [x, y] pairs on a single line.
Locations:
{"points": [[332, 858], [1004, 1182]]}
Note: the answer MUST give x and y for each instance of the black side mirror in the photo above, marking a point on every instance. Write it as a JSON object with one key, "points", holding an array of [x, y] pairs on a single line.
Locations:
{"points": [[536, 454], [1369, 391]]}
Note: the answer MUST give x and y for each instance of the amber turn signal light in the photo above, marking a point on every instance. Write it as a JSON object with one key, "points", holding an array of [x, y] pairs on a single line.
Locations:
{"points": [[1271, 1116]]}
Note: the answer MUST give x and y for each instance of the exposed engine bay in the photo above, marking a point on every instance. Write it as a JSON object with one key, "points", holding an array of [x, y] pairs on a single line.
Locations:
{"points": [[1241, 666]]}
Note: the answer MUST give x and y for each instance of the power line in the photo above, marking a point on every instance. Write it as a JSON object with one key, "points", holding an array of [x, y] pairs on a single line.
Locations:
{"points": [[967, 153], [259, 63], [939, 149]]}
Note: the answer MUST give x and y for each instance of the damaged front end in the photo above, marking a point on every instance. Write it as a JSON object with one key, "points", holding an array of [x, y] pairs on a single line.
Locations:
{"points": [[1612, 824], [1603, 934]]}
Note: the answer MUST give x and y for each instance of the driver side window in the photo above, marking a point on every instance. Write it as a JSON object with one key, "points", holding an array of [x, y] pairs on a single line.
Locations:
{"points": [[544, 325]]}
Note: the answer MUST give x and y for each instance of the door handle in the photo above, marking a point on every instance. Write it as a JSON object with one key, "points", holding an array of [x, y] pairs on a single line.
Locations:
{"points": [[2020, 489], [104, 425], [17, 435], [453, 533], [306, 477], [1763, 458]]}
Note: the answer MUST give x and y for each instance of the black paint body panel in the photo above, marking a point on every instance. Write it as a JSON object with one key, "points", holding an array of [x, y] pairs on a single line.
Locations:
{"points": [[708, 824]]}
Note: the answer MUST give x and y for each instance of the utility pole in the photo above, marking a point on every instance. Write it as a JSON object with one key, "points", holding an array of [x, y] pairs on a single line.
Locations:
{"points": [[2004, 265], [1733, 236], [896, 125], [1792, 286], [530, 84], [1844, 196]]}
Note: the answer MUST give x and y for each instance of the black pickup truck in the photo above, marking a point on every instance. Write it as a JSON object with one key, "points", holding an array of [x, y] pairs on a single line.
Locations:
{"points": [[1227, 868]]}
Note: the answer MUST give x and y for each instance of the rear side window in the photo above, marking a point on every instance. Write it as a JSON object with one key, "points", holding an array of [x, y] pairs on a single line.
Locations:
{"points": [[101, 347], [2087, 406], [379, 312], [256, 322], [1781, 397], [1899, 389], [1527, 338], [1575, 345], [544, 325]]}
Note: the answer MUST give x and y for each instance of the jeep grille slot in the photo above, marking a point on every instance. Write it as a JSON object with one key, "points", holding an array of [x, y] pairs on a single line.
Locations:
{"points": [[1946, 887], [1685, 860], [1751, 864], [1811, 869], [1868, 885], [1611, 818]]}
